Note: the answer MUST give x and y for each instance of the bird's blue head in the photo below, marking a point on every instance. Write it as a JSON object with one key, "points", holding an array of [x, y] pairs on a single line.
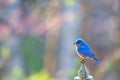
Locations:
{"points": [[80, 42]]}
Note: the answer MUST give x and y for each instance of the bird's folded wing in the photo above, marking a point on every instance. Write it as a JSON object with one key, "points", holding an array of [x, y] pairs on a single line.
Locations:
{"points": [[86, 51]]}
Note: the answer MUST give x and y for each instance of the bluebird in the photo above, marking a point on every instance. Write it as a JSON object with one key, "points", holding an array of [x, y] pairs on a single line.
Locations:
{"points": [[84, 50]]}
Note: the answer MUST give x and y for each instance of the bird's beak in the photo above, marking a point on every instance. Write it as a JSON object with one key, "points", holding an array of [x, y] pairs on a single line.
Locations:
{"points": [[74, 43]]}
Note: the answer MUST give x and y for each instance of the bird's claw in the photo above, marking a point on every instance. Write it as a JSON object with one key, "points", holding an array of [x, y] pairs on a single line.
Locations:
{"points": [[83, 61]]}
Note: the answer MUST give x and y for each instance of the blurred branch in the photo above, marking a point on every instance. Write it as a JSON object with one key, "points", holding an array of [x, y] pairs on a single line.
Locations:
{"points": [[107, 63]]}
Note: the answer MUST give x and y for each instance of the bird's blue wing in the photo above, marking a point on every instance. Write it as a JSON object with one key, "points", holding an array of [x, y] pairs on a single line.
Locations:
{"points": [[85, 51], [88, 52]]}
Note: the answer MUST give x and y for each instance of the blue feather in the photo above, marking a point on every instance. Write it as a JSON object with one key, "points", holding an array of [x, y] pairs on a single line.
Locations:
{"points": [[97, 60]]}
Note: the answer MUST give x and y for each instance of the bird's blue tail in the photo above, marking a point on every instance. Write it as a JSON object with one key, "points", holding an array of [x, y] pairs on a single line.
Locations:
{"points": [[97, 60]]}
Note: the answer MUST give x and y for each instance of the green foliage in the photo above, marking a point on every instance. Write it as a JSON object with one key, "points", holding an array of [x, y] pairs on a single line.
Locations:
{"points": [[42, 75], [74, 72], [32, 49], [4, 55], [36, 1], [30, 1], [5, 52], [69, 2]]}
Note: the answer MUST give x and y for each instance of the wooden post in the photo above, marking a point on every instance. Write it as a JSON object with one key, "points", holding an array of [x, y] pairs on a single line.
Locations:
{"points": [[83, 74]]}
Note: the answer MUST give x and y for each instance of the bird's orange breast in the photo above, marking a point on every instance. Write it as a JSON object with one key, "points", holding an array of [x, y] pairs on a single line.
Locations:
{"points": [[80, 54]]}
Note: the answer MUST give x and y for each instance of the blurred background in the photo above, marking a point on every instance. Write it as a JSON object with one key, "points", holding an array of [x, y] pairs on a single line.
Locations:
{"points": [[36, 38]]}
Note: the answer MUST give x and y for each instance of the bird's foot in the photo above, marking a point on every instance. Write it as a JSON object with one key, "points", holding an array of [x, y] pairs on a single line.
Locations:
{"points": [[83, 61]]}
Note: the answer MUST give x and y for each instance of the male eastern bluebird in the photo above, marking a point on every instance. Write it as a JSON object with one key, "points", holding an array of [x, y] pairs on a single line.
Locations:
{"points": [[84, 50]]}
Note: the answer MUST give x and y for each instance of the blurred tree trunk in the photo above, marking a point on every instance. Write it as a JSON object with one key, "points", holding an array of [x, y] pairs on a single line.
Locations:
{"points": [[14, 66], [52, 21], [117, 50], [71, 16]]}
